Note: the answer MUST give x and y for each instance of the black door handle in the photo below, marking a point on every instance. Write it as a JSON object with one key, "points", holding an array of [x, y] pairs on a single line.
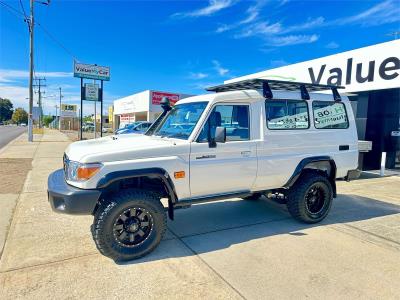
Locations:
{"points": [[344, 147]]}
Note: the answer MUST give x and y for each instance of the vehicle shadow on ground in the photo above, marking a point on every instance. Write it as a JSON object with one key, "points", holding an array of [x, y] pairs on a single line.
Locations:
{"points": [[219, 225]]}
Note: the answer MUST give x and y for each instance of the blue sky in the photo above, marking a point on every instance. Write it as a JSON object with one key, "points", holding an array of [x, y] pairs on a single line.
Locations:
{"points": [[178, 46]]}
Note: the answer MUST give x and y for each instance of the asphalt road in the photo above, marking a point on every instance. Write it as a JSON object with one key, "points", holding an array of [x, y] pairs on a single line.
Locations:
{"points": [[8, 133]]}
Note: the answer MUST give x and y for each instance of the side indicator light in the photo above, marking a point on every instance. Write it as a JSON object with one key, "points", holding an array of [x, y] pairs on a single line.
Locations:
{"points": [[179, 174]]}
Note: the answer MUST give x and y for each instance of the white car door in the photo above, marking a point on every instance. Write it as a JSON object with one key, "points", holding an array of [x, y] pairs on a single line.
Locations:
{"points": [[231, 166]]}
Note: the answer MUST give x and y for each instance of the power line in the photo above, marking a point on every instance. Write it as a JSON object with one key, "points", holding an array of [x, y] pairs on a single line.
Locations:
{"points": [[23, 9], [15, 11], [56, 41], [20, 14], [25, 16]]}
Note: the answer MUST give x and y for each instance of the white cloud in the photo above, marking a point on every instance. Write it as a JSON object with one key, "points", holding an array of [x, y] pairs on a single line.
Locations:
{"points": [[332, 45], [278, 63], [199, 75], [203, 85], [217, 66], [290, 40], [213, 7], [310, 24], [382, 13], [260, 29], [9, 75], [252, 14]]}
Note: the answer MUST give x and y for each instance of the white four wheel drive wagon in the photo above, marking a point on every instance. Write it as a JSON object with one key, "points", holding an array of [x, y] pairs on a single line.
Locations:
{"points": [[256, 137]]}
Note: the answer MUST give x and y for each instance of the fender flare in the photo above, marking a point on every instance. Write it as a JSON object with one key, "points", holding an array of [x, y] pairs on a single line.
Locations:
{"points": [[309, 160], [160, 173]]}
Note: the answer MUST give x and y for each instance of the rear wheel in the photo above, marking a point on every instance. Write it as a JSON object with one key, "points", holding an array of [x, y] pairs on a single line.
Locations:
{"points": [[310, 199], [130, 225]]}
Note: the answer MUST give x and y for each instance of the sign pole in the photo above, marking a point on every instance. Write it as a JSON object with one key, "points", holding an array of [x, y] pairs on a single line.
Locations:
{"points": [[80, 127], [101, 110], [95, 123]]}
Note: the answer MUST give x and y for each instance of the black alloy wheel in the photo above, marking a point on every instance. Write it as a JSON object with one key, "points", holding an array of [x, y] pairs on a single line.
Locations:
{"points": [[310, 198], [133, 226], [129, 225], [315, 198]]}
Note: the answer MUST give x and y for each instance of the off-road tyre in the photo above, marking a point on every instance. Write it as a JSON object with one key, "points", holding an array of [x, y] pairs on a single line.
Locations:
{"points": [[310, 198], [255, 196], [128, 204]]}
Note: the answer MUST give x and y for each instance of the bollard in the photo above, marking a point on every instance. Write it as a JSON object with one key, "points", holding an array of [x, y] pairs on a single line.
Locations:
{"points": [[383, 163]]}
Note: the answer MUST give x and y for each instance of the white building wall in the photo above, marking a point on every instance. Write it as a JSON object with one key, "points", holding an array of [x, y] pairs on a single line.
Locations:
{"points": [[365, 69], [134, 103]]}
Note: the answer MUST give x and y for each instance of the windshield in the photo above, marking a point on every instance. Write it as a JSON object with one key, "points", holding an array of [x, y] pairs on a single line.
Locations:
{"points": [[181, 120]]}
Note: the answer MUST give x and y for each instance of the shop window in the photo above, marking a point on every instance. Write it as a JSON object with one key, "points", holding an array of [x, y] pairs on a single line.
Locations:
{"points": [[330, 115], [287, 114]]}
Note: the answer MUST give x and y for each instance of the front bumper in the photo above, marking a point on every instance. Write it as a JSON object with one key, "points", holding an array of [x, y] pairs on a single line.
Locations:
{"points": [[67, 199]]}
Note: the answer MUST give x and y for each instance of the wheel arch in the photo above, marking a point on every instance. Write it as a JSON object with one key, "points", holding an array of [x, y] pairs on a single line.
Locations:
{"points": [[111, 180], [325, 164]]}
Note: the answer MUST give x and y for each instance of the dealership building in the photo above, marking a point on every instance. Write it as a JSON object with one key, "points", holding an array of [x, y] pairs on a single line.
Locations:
{"points": [[143, 106], [371, 77]]}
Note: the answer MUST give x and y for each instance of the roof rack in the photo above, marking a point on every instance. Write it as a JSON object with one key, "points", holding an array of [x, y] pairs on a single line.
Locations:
{"points": [[268, 85]]}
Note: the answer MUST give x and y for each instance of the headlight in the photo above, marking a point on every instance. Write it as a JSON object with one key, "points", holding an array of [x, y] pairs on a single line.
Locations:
{"points": [[76, 171]]}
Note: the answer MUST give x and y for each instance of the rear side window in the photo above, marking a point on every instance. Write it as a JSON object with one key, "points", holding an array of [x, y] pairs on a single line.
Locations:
{"points": [[287, 114], [330, 115]]}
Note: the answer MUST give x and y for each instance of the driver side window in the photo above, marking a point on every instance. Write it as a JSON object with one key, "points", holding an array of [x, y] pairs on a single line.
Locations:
{"points": [[235, 118]]}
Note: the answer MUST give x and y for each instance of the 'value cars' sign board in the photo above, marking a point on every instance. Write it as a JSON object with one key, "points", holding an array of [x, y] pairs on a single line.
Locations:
{"points": [[91, 71], [156, 97]]}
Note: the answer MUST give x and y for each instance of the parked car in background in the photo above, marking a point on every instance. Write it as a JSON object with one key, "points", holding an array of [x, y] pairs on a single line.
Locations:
{"points": [[138, 127], [88, 127]]}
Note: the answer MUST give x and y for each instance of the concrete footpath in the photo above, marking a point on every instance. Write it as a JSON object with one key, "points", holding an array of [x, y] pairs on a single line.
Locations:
{"points": [[230, 249]]}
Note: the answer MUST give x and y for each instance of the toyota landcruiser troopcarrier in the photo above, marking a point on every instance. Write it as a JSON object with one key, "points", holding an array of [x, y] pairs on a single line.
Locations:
{"points": [[250, 138]]}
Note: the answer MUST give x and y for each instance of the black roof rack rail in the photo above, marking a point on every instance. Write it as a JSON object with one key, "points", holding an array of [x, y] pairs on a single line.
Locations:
{"points": [[267, 85]]}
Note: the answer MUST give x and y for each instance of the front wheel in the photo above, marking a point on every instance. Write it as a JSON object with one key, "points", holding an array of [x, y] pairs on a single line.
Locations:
{"points": [[130, 225], [310, 199]]}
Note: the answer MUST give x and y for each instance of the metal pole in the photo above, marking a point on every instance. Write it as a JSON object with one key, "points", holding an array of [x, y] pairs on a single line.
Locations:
{"points": [[101, 110], [30, 119], [81, 108], [383, 164], [40, 105], [95, 127], [59, 119]]}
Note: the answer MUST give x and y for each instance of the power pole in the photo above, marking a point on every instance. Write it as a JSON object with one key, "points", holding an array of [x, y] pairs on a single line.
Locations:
{"points": [[55, 119], [30, 119], [40, 85], [59, 119]]}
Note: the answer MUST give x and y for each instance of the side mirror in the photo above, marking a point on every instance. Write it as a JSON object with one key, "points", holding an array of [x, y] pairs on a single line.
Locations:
{"points": [[220, 134], [219, 137]]}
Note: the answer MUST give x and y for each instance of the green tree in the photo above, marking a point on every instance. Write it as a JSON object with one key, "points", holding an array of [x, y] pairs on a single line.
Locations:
{"points": [[47, 120], [88, 119], [20, 116], [6, 109]]}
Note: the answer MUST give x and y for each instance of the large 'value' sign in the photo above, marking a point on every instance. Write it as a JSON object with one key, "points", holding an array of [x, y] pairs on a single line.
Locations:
{"points": [[91, 71]]}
